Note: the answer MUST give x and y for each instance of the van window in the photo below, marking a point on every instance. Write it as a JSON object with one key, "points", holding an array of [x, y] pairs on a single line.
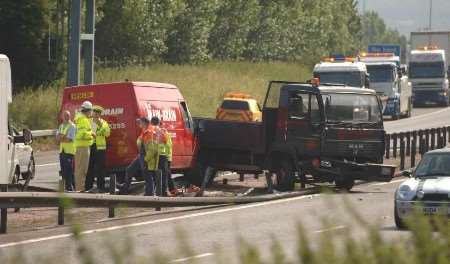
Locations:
{"points": [[186, 116]]}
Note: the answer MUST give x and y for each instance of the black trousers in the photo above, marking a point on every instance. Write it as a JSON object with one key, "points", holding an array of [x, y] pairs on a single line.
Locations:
{"points": [[96, 168], [163, 165], [170, 181]]}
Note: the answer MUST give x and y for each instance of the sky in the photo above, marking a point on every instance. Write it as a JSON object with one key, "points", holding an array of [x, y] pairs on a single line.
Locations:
{"points": [[411, 15]]}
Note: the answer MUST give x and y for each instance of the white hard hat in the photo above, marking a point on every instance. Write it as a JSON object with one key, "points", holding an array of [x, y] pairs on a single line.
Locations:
{"points": [[86, 105]]}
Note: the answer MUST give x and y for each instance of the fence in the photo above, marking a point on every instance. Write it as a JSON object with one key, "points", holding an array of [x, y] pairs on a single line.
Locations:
{"points": [[408, 144]]}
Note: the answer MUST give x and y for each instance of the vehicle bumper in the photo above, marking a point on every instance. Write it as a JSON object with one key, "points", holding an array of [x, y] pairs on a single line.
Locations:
{"points": [[429, 97], [358, 171], [409, 208]]}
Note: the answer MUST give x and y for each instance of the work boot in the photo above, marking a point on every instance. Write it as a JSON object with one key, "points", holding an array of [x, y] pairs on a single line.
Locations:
{"points": [[192, 189]]}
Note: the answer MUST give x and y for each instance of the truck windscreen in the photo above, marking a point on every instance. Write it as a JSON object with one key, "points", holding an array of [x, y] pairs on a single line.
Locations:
{"points": [[380, 73], [353, 108], [349, 78], [426, 70]]}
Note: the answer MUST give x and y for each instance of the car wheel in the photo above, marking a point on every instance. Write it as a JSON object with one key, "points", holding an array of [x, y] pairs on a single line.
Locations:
{"points": [[285, 176], [398, 221]]}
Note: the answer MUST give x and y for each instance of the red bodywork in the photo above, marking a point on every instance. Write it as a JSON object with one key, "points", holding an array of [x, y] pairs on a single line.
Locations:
{"points": [[127, 101]]}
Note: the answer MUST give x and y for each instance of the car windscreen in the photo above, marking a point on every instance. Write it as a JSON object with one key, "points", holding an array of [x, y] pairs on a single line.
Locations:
{"points": [[349, 78], [434, 164], [426, 70], [381, 73], [352, 107], [235, 105]]}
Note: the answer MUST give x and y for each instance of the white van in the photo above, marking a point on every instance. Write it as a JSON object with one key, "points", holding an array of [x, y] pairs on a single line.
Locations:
{"points": [[16, 155]]}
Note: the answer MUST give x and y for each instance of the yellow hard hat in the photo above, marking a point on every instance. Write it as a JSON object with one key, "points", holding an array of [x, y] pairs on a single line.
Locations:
{"points": [[98, 109]]}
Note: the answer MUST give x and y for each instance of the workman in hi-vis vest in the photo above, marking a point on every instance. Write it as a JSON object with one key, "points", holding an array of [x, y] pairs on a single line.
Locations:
{"points": [[65, 137], [165, 159], [97, 159], [84, 138]]}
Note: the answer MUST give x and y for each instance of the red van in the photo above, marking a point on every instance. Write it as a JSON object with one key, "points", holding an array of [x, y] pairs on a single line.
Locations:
{"points": [[124, 103]]}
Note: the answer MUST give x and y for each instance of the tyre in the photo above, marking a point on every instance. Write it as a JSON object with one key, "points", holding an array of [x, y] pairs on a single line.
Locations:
{"points": [[197, 174], [285, 176], [398, 221], [344, 183]]}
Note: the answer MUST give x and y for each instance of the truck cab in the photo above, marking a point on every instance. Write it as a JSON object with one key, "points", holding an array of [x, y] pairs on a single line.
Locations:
{"points": [[309, 133], [387, 79], [428, 75], [345, 70]]}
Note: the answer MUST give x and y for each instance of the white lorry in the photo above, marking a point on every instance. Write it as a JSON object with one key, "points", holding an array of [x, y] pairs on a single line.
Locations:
{"points": [[388, 80], [342, 70], [428, 67], [17, 163]]}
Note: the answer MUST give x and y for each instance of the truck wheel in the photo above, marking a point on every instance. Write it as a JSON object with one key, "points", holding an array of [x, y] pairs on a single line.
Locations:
{"points": [[344, 184], [285, 176], [398, 221]]}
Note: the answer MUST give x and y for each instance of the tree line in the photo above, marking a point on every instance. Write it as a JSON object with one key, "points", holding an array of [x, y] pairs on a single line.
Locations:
{"points": [[187, 32]]}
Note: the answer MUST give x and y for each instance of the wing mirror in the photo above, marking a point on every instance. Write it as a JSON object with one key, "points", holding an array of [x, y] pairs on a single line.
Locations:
{"points": [[26, 137], [407, 173]]}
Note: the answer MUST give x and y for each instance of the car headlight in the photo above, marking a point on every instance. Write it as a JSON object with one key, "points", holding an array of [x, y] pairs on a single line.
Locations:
{"points": [[443, 93], [405, 193]]}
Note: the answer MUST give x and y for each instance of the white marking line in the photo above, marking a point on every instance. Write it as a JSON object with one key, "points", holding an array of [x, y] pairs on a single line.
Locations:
{"points": [[385, 183], [193, 257], [48, 164], [175, 218], [330, 229]]}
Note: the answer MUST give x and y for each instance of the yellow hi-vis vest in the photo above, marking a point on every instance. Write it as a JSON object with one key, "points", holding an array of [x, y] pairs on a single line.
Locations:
{"points": [[165, 148], [83, 136], [66, 147], [103, 131]]}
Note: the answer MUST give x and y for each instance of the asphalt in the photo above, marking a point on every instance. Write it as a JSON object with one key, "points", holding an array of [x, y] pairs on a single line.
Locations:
{"points": [[208, 229]]}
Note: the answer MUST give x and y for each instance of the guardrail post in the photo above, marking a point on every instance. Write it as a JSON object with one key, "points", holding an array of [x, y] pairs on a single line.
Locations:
{"points": [[394, 145], [4, 213], [61, 206], [388, 146], [408, 144], [427, 140], [413, 150], [112, 190], [422, 146], [444, 134], [402, 154], [433, 139]]}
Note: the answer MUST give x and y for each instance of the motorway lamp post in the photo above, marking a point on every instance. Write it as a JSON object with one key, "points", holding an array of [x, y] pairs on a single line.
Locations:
{"points": [[77, 38]]}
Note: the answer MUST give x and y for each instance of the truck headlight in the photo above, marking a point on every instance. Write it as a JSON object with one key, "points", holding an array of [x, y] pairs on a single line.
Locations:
{"points": [[443, 93], [405, 193]]}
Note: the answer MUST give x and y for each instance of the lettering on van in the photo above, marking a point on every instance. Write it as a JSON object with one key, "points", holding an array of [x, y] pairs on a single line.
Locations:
{"points": [[81, 95], [165, 114], [117, 126], [113, 111]]}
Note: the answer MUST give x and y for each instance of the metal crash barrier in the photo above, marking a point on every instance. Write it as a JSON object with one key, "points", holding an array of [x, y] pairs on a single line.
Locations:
{"points": [[86, 200]]}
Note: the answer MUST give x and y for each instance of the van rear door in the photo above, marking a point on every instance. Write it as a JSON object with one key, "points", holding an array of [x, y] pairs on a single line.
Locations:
{"points": [[120, 112]]}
